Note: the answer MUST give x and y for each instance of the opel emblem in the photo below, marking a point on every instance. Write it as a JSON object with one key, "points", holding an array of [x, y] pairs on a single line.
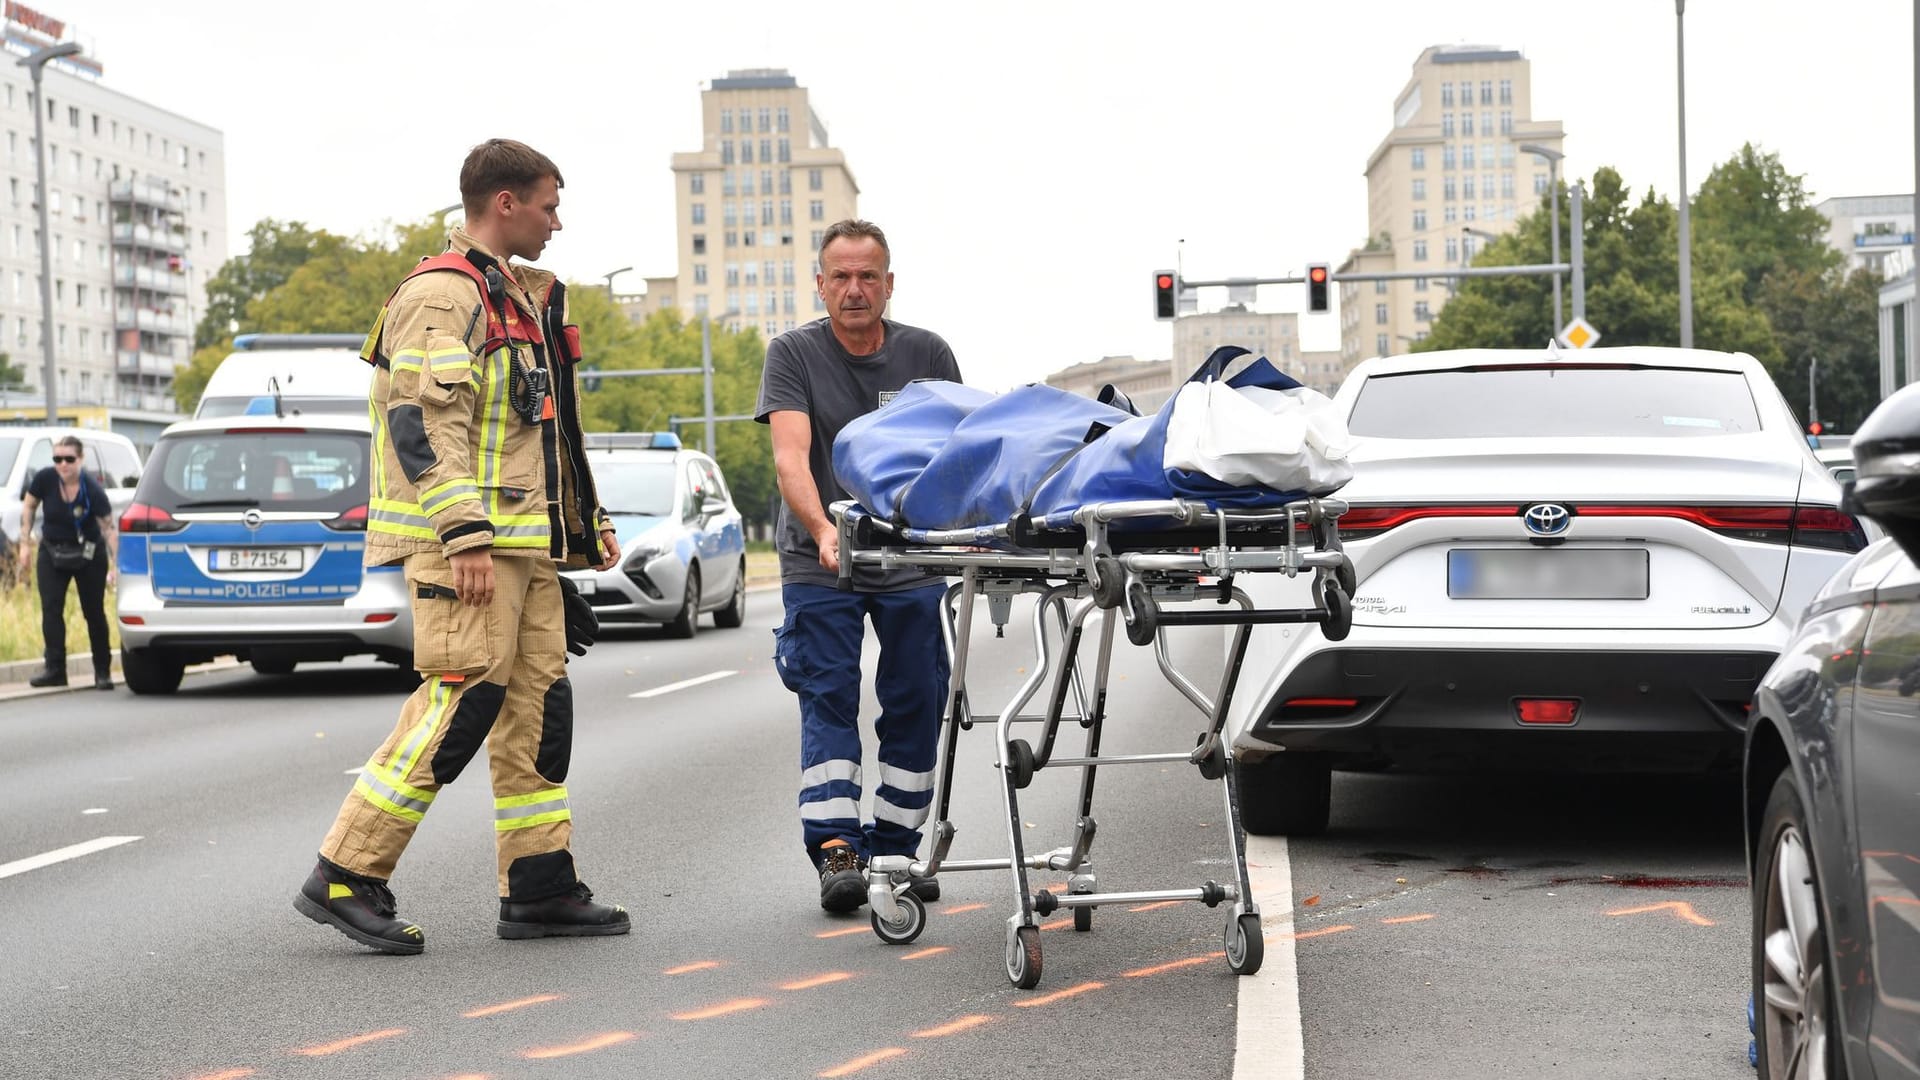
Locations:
{"points": [[1547, 519], [252, 518]]}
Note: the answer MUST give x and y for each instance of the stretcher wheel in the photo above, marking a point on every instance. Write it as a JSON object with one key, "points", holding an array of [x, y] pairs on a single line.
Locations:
{"points": [[1020, 762], [1023, 957], [1082, 919], [1144, 620], [1349, 581], [1246, 944], [913, 919], [1339, 621], [1112, 584]]}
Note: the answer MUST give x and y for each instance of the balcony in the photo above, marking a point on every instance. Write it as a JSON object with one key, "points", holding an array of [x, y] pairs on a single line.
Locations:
{"points": [[169, 238], [131, 364], [158, 279], [155, 322], [144, 193]]}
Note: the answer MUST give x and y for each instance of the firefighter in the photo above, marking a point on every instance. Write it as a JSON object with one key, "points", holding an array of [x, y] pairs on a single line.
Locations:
{"points": [[479, 487]]}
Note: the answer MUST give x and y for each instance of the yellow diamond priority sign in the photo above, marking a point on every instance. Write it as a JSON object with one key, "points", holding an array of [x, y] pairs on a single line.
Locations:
{"points": [[1578, 334]]}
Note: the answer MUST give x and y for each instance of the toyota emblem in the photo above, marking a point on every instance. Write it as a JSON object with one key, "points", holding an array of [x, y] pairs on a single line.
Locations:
{"points": [[1547, 519], [252, 518]]}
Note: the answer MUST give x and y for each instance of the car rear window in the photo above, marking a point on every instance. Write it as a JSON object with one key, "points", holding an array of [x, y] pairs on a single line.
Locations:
{"points": [[1546, 400], [635, 487], [322, 471]]}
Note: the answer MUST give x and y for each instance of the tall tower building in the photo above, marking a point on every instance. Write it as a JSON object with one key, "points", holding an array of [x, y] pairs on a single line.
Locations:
{"points": [[1450, 170], [753, 201]]}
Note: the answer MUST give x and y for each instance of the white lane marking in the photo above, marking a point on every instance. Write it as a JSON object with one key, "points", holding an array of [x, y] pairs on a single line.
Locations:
{"points": [[94, 810], [1268, 1043], [74, 851], [356, 770], [683, 684]]}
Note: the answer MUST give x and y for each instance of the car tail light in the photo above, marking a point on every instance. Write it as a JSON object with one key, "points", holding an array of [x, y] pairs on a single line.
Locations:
{"points": [[1315, 708], [133, 620], [1822, 527], [354, 520], [145, 518], [1809, 526], [1547, 710], [380, 617], [1364, 521]]}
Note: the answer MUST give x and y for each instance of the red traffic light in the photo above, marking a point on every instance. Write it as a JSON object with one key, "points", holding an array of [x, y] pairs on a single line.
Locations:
{"points": [[1816, 428], [1317, 275], [1164, 281]]}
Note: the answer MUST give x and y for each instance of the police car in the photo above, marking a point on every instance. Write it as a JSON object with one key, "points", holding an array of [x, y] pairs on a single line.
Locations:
{"points": [[682, 549], [244, 539]]}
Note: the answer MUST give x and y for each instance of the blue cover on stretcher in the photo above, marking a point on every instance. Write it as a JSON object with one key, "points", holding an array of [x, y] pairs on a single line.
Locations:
{"points": [[942, 456]]}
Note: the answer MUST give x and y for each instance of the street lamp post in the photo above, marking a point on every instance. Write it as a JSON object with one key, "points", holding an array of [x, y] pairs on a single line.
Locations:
{"points": [[706, 370], [1481, 233], [1553, 199], [1686, 225], [610, 275], [35, 62]]}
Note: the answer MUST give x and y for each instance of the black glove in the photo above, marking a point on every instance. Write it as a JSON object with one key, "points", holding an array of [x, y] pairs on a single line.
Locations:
{"points": [[583, 626]]}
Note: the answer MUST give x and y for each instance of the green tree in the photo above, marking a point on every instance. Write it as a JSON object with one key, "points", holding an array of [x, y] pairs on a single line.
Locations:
{"points": [[1835, 318], [11, 374], [275, 249]]}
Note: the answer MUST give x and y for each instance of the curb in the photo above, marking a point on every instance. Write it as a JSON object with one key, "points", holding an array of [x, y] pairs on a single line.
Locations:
{"points": [[15, 673]]}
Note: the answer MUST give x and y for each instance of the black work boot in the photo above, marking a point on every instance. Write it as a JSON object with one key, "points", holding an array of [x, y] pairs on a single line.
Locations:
{"points": [[843, 877], [360, 907], [49, 676], [570, 914]]}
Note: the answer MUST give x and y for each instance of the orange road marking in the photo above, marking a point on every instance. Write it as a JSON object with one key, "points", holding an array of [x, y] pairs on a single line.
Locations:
{"points": [[471, 1076], [842, 933], [1305, 934], [924, 953], [1157, 906], [965, 1023], [1680, 908], [1047, 999], [697, 965], [962, 909], [508, 1006], [1156, 969], [347, 1044], [859, 1063], [1057, 924], [598, 1042], [230, 1074], [722, 1009], [817, 980], [1398, 919]]}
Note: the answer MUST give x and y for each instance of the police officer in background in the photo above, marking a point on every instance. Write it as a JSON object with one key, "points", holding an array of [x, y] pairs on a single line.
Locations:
{"points": [[479, 487]]}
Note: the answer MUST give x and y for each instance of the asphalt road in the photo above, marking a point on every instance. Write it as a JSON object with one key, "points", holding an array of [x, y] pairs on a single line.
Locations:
{"points": [[1445, 926]]}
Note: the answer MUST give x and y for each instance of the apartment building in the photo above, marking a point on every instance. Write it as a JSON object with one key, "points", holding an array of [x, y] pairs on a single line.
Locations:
{"points": [[1448, 175], [753, 202], [137, 209], [1867, 228]]}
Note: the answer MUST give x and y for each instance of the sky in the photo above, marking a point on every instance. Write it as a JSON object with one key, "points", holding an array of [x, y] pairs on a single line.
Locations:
{"points": [[1032, 163]]}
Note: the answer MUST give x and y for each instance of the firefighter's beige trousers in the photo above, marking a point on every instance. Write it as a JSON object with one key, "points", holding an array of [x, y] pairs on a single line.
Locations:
{"points": [[496, 675]]}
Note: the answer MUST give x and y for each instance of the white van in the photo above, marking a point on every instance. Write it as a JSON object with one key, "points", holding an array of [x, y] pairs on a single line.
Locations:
{"points": [[311, 373]]}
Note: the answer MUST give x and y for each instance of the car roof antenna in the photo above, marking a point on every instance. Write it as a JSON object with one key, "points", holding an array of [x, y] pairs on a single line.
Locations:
{"points": [[273, 387], [1553, 349]]}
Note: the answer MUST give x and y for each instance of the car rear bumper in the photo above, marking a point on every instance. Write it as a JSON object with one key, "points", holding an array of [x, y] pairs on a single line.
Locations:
{"points": [[1633, 709], [377, 619]]}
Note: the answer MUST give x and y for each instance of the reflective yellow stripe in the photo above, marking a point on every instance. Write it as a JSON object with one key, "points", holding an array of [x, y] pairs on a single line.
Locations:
{"points": [[407, 360], [397, 518], [440, 693], [532, 820], [453, 362], [533, 808], [493, 429], [440, 496], [369, 793]]}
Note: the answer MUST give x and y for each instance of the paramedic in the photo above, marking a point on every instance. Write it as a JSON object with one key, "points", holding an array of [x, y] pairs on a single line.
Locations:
{"points": [[77, 545], [478, 489], [819, 377]]}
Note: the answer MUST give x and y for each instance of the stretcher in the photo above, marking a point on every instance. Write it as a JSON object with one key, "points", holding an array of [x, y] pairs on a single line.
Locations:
{"points": [[1149, 565]]}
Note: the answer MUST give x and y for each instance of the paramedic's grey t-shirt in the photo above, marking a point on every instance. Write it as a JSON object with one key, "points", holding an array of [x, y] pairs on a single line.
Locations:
{"points": [[809, 371]]}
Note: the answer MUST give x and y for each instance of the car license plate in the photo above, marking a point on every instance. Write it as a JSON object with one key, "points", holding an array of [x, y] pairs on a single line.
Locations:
{"points": [[587, 586], [1547, 574], [227, 560]]}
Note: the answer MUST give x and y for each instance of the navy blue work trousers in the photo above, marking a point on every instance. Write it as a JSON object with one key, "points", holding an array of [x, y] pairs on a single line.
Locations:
{"points": [[817, 652]]}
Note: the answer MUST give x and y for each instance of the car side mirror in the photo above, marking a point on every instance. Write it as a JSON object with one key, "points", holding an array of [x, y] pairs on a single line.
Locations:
{"points": [[1886, 455], [713, 506]]}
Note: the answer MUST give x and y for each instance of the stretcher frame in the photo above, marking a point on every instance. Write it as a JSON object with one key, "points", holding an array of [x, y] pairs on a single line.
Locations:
{"points": [[1128, 561]]}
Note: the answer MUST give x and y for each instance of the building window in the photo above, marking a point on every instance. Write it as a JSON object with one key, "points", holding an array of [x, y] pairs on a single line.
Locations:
{"points": [[726, 121], [1419, 284], [726, 151], [1486, 92], [1419, 187], [699, 243], [1506, 153], [1447, 186], [726, 182], [730, 214], [746, 151], [1379, 289], [1419, 251], [766, 149], [786, 181], [1506, 121], [733, 275], [699, 213], [766, 118], [1446, 156], [1446, 95], [1380, 314], [766, 211], [1539, 183], [1419, 221], [786, 211], [699, 273], [1466, 123], [786, 150], [1486, 123], [1466, 187], [785, 124], [746, 238], [1466, 156], [1469, 211], [1466, 246], [816, 210], [1421, 313], [697, 184], [1419, 157], [813, 180], [1380, 344], [1446, 125], [1506, 185], [1453, 250], [1506, 91]]}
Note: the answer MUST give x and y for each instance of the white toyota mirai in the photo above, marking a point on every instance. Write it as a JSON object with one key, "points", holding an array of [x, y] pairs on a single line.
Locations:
{"points": [[1564, 560]]}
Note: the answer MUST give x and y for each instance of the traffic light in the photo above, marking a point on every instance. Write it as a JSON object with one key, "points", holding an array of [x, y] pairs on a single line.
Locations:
{"points": [[1816, 428], [1317, 278], [1166, 291]]}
